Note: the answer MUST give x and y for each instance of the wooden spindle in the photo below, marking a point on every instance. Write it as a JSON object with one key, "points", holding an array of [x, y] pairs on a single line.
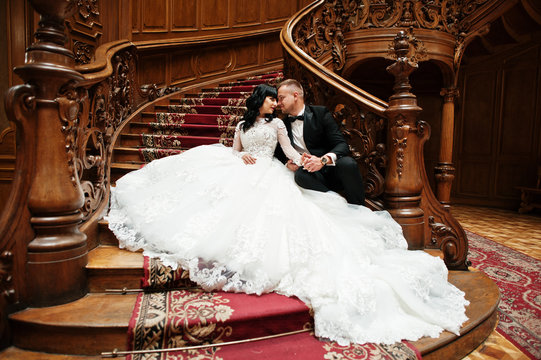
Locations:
{"points": [[58, 254], [403, 181]]}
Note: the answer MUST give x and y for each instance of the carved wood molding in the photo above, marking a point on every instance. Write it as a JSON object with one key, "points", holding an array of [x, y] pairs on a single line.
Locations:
{"points": [[321, 31], [323, 26], [103, 107], [443, 15], [15, 229], [84, 30]]}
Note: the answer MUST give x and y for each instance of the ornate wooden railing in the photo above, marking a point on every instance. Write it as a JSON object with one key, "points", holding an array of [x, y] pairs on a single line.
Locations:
{"points": [[68, 115], [66, 119], [385, 138]]}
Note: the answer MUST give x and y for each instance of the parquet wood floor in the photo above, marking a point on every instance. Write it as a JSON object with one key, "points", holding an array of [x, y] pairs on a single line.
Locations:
{"points": [[521, 232]]}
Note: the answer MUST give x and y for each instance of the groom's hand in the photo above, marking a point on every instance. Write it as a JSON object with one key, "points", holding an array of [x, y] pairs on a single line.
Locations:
{"points": [[312, 163]]}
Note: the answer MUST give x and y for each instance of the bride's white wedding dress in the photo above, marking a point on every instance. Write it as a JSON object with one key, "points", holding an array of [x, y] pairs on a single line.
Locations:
{"points": [[250, 228]]}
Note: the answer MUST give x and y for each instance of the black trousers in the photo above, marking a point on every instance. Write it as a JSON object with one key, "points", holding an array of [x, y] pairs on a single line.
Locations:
{"points": [[344, 176]]}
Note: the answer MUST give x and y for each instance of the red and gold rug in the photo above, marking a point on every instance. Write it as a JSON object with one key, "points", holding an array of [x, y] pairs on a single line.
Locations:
{"points": [[518, 278], [180, 318]]}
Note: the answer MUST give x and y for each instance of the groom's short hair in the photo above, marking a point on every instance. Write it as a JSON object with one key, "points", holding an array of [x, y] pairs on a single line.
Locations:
{"points": [[294, 84]]}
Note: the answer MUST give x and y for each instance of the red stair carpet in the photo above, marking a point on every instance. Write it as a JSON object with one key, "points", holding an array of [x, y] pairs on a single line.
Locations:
{"points": [[209, 117], [181, 318]]}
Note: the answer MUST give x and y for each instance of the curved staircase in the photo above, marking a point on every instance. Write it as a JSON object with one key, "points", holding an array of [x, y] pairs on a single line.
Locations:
{"points": [[99, 322], [177, 124]]}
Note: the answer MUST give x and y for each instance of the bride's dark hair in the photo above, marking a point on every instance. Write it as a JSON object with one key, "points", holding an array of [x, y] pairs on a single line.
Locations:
{"points": [[254, 102]]}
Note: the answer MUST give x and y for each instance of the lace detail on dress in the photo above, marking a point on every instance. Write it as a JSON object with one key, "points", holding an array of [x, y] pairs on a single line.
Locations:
{"points": [[260, 140]]}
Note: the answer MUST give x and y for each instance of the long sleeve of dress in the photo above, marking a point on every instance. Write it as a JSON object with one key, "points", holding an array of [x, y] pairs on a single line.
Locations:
{"points": [[285, 143], [237, 143]]}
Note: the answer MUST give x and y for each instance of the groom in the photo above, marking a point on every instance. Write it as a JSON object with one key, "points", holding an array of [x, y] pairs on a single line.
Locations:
{"points": [[314, 134]]}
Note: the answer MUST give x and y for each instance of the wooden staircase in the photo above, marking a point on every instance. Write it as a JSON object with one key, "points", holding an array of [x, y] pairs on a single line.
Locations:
{"points": [[207, 117], [99, 321]]}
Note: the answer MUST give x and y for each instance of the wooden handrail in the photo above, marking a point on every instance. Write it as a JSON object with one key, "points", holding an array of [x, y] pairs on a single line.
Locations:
{"points": [[372, 103]]}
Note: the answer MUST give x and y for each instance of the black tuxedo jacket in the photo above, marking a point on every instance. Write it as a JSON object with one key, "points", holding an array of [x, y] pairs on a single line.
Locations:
{"points": [[320, 132]]}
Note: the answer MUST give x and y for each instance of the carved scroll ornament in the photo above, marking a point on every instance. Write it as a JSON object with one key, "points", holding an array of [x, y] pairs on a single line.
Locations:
{"points": [[102, 109], [321, 34], [443, 15]]}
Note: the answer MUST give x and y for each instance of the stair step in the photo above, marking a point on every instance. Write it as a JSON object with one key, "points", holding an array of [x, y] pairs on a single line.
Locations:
{"points": [[105, 235], [233, 89], [88, 326], [120, 169], [178, 118], [13, 353], [193, 130], [434, 252], [249, 82], [209, 101], [112, 268], [221, 94], [126, 155], [202, 109]]}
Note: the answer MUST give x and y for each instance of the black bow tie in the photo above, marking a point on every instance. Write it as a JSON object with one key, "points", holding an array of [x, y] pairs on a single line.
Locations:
{"points": [[293, 118]]}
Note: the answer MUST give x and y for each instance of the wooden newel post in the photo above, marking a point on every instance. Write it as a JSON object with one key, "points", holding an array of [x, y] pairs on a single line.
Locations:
{"points": [[58, 254], [403, 182], [445, 172]]}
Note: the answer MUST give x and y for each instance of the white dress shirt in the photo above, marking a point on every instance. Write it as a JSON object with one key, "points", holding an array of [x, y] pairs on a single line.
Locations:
{"points": [[297, 129]]}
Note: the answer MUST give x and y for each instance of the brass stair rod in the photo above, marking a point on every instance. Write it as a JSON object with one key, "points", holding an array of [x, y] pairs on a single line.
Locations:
{"points": [[129, 291], [115, 353]]}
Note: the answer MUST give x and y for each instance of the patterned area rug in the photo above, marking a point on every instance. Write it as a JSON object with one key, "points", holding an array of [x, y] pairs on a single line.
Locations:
{"points": [[177, 318], [518, 278]]}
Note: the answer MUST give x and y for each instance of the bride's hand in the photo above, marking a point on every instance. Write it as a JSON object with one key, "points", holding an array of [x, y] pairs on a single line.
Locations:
{"points": [[248, 159], [292, 166]]}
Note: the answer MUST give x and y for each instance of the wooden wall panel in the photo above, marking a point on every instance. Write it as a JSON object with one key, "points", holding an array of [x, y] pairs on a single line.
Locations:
{"points": [[216, 61], [498, 129], [245, 13], [517, 107], [275, 11], [184, 15], [193, 64], [272, 51], [154, 15], [247, 55], [206, 17], [182, 69], [7, 163], [136, 16], [214, 14], [152, 69], [478, 95], [474, 179]]}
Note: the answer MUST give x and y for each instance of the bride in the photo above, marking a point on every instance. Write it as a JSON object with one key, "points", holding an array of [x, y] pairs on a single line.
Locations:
{"points": [[236, 220]]}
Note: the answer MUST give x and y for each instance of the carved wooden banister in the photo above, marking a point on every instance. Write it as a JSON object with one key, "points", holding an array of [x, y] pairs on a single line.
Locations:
{"points": [[386, 139], [55, 248], [65, 118]]}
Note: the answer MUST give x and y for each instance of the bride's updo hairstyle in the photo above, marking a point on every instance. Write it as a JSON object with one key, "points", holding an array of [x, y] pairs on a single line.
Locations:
{"points": [[254, 102]]}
